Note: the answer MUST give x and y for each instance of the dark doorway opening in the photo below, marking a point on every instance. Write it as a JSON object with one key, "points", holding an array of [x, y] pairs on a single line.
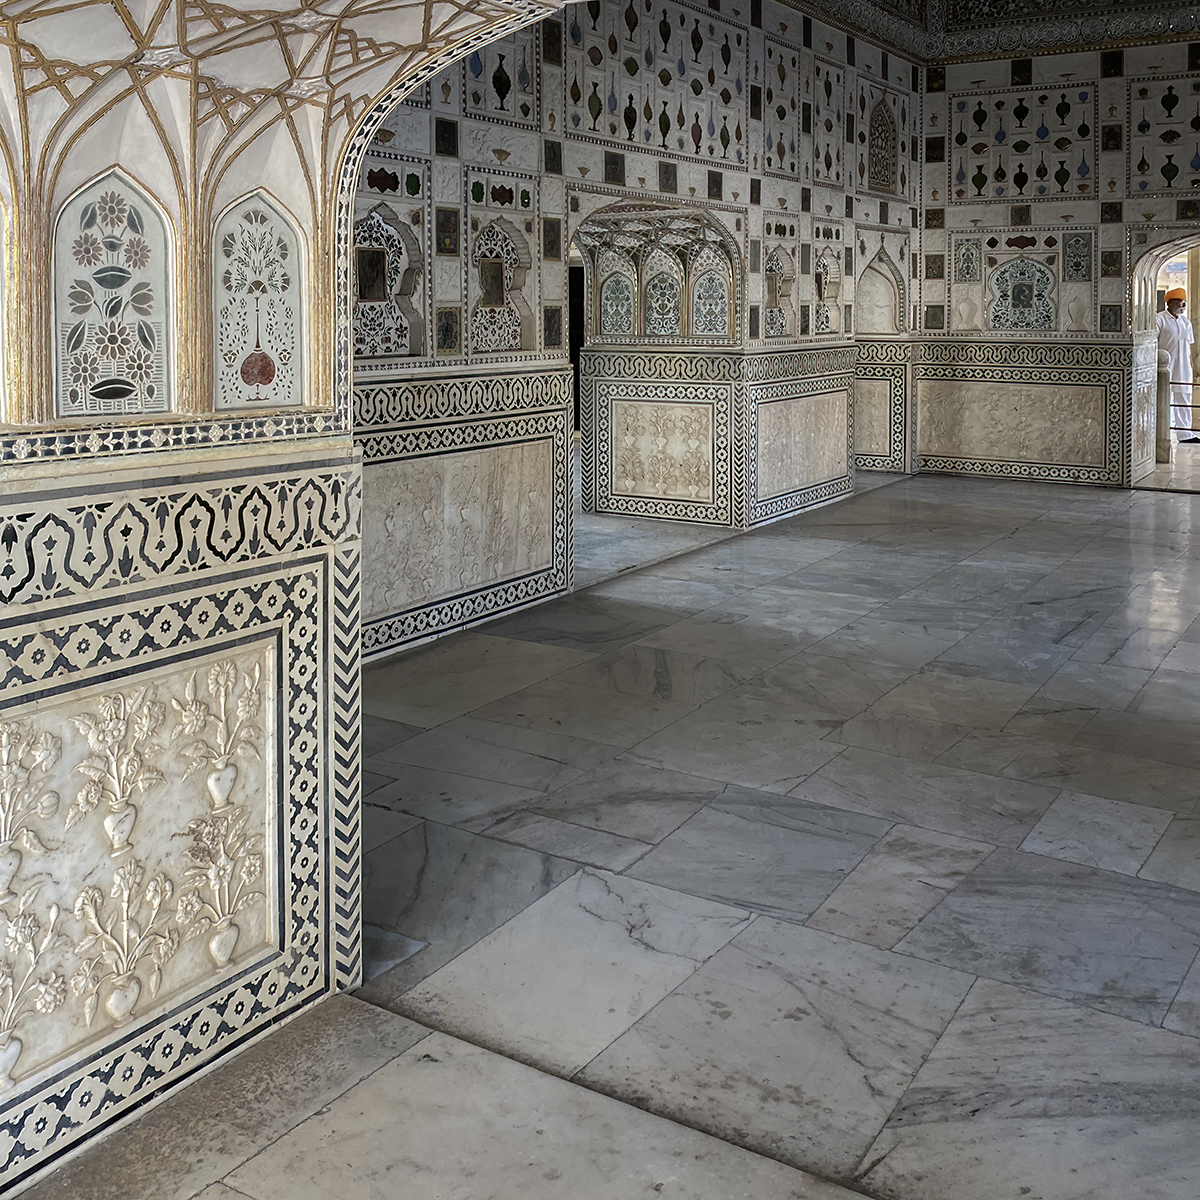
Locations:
{"points": [[576, 315]]}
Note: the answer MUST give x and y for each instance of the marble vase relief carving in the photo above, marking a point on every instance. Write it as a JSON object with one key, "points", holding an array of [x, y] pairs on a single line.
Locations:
{"points": [[98, 930], [663, 450], [111, 262]]}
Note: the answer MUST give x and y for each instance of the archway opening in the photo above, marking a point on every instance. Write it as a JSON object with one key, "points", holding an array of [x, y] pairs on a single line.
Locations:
{"points": [[1165, 307]]}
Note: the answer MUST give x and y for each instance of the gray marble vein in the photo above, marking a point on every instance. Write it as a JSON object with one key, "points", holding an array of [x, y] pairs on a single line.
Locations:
{"points": [[448, 888], [908, 737], [528, 758], [1118, 944], [930, 795], [449, 798], [900, 642], [906, 874], [583, 622], [557, 983], [1027, 1096], [789, 1041], [1184, 1014], [753, 649], [592, 847], [1160, 738], [378, 733], [770, 855], [380, 825], [454, 1122], [824, 686], [645, 670], [633, 800]]}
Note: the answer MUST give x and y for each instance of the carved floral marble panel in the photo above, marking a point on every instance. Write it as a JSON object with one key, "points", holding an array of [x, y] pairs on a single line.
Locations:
{"points": [[801, 441], [136, 851], [443, 525], [872, 416], [662, 450], [1026, 422]]}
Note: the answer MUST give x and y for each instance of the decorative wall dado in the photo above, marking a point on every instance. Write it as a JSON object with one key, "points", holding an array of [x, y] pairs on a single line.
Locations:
{"points": [[179, 741], [1038, 411], [883, 426], [466, 500]]}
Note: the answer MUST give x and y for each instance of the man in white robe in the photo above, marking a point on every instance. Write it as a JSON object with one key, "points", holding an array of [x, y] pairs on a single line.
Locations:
{"points": [[1175, 336]]}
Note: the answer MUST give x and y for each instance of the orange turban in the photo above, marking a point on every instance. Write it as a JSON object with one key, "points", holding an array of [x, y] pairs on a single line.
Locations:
{"points": [[1176, 294]]}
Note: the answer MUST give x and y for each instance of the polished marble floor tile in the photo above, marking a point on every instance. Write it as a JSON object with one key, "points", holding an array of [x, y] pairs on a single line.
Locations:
{"points": [[435, 683], [789, 1041], [527, 758], [1101, 939], [907, 737], [1098, 833], [382, 949], [646, 670], [198, 1135], [450, 798], [1122, 645], [957, 699], [380, 825], [751, 648], [1184, 1013], [929, 795], [1027, 1096], [589, 847], [580, 711], [558, 982], [378, 733], [899, 642], [905, 875], [583, 623], [1078, 768], [1174, 695], [744, 740], [1160, 738], [451, 1121], [1176, 857], [823, 685], [448, 888], [633, 800], [764, 853]]}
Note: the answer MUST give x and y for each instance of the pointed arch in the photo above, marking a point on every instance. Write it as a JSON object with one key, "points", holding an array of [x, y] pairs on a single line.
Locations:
{"points": [[618, 294], [882, 144], [880, 296], [389, 264]]}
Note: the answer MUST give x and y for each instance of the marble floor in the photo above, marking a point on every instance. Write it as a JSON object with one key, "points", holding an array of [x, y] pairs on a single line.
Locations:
{"points": [[854, 856], [1182, 475]]}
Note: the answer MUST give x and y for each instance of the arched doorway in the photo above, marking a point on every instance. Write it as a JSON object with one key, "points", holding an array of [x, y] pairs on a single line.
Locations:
{"points": [[1170, 262]]}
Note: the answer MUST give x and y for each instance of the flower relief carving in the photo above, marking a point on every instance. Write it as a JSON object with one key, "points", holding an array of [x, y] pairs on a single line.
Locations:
{"points": [[111, 263], [617, 277], [225, 860], [882, 143], [257, 285], [1021, 291], [777, 278]]}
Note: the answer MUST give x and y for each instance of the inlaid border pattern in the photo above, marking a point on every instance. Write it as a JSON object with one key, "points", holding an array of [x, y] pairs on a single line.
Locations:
{"points": [[56, 657], [54, 547], [1086, 365], [409, 401], [889, 361]]}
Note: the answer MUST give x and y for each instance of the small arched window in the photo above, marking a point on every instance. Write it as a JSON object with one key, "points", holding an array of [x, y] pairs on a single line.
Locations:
{"points": [[112, 302], [616, 306], [495, 318]]}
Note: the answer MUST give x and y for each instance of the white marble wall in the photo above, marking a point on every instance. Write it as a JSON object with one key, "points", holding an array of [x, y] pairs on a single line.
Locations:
{"points": [[663, 451], [872, 416], [439, 526], [802, 442]]}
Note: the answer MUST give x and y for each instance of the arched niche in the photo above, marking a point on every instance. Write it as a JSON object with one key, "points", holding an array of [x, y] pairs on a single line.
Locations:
{"points": [[879, 297], [112, 302], [710, 291], [617, 308], [827, 279], [662, 294], [779, 312], [258, 269], [1022, 292], [500, 315], [388, 267]]}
